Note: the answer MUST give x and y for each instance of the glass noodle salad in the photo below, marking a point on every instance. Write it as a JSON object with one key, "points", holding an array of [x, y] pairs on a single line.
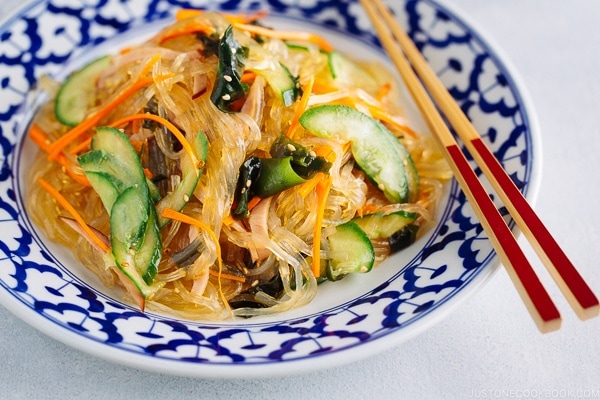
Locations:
{"points": [[222, 168]]}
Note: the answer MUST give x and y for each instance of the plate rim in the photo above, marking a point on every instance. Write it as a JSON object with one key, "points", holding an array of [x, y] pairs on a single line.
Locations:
{"points": [[481, 278]]}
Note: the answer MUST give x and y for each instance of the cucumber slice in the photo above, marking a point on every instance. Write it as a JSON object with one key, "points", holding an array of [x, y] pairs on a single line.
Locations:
{"points": [[117, 144], [148, 254], [128, 218], [135, 238], [346, 73], [115, 172], [75, 96], [105, 163], [282, 82], [376, 150], [107, 186], [179, 197], [382, 226], [351, 241]]}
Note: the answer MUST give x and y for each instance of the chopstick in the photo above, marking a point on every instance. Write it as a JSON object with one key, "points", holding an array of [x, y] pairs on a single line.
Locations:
{"points": [[538, 302]]}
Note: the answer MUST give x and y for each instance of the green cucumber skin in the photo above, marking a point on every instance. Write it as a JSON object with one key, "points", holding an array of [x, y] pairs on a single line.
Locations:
{"points": [[103, 162], [282, 82], [116, 173], [178, 198], [382, 226], [107, 186], [115, 142], [375, 149], [350, 239], [128, 218], [68, 107]]}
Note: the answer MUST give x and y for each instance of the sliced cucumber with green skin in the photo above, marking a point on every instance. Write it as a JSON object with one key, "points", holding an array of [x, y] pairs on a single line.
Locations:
{"points": [[106, 186], [351, 241], [117, 144], [128, 218], [375, 149], [135, 240], [382, 226], [73, 98], [115, 172], [282, 82], [179, 197], [346, 73]]}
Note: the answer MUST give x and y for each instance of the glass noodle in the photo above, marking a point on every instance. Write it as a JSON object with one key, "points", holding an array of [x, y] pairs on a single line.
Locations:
{"points": [[224, 265]]}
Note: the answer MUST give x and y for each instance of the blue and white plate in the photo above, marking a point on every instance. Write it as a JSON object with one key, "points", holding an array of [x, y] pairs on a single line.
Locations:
{"points": [[45, 286]]}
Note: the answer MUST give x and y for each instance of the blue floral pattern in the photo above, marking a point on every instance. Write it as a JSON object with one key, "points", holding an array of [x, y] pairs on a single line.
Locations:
{"points": [[43, 37]]}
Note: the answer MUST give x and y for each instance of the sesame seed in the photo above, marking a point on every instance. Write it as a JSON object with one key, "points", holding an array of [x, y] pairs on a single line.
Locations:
{"points": [[248, 183], [227, 78], [186, 198], [381, 186], [244, 190], [312, 153], [226, 97], [255, 283], [291, 147], [363, 269]]}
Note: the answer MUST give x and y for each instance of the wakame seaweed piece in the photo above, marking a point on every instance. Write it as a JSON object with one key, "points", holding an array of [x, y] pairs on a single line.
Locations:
{"points": [[249, 172], [210, 43], [403, 238], [304, 161], [273, 288], [228, 86], [263, 177], [276, 175]]}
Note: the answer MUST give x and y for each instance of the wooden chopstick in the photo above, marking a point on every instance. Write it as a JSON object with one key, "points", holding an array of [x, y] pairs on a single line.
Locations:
{"points": [[532, 292], [574, 288], [579, 295]]}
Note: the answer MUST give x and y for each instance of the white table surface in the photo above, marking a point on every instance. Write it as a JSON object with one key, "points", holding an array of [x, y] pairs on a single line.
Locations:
{"points": [[488, 347]]}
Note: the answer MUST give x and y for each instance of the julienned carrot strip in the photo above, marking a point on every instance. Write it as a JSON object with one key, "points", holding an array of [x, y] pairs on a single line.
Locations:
{"points": [[186, 13], [40, 138], [83, 146], [83, 127], [227, 276], [302, 105], [189, 29], [76, 132], [248, 77], [322, 193], [71, 210], [286, 35], [172, 128], [383, 91], [383, 116], [186, 219]]}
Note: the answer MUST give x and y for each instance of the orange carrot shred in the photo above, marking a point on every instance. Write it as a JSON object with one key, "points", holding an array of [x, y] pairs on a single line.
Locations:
{"points": [[189, 29], [302, 105], [40, 138], [172, 128], [227, 276], [91, 121], [71, 210], [286, 35], [186, 13]]}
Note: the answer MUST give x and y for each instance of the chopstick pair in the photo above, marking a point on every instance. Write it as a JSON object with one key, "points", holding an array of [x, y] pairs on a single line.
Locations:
{"points": [[537, 300]]}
